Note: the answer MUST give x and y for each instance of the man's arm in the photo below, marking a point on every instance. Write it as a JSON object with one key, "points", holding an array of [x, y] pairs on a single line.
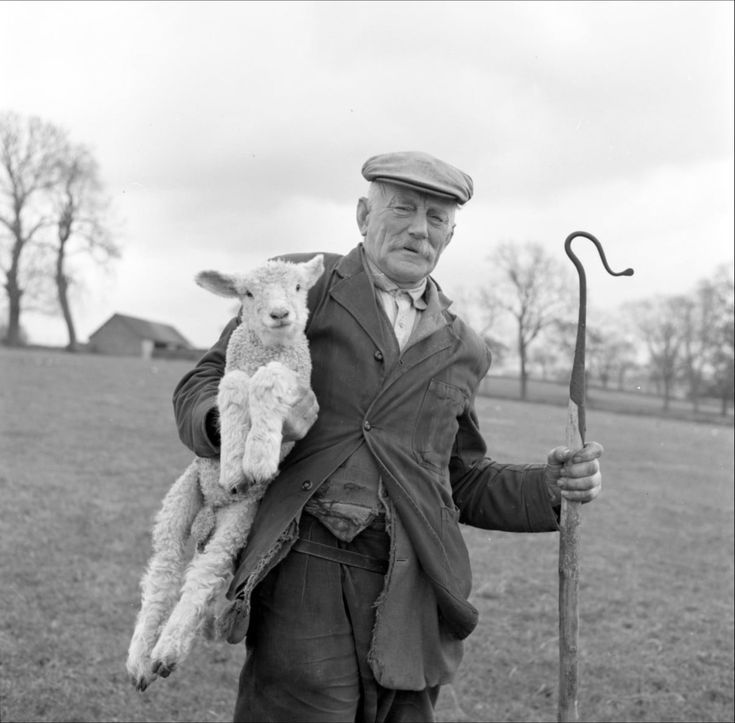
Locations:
{"points": [[493, 495], [195, 399], [517, 497]]}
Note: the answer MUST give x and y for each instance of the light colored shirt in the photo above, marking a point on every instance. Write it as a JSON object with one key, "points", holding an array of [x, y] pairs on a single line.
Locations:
{"points": [[401, 306]]}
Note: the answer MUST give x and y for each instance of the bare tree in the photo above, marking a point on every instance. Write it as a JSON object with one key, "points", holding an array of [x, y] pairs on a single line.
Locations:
{"points": [[659, 322], [611, 350], [534, 288], [29, 169], [723, 350], [51, 207], [80, 208], [700, 334]]}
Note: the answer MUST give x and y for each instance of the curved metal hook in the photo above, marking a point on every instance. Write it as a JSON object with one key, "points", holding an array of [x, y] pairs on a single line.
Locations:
{"points": [[577, 383], [578, 263]]}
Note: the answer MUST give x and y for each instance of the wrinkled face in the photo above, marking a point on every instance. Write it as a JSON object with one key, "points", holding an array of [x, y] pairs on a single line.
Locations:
{"points": [[405, 231]]}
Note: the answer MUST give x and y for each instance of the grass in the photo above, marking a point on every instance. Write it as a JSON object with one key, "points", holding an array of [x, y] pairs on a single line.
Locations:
{"points": [[88, 449]]}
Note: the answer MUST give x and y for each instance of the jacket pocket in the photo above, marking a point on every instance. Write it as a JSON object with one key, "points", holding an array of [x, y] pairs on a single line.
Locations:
{"points": [[437, 423]]}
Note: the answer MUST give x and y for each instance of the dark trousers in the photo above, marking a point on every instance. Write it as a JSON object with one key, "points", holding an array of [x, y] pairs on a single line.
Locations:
{"points": [[308, 641]]}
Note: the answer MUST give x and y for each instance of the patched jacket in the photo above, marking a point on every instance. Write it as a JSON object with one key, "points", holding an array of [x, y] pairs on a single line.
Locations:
{"points": [[416, 414]]}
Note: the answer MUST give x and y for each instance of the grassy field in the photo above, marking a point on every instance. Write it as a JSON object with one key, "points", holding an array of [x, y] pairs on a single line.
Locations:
{"points": [[631, 401], [88, 450]]}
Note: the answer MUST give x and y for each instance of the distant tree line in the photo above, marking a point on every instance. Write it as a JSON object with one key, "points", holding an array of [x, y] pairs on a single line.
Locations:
{"points": [[53, 210], [681, 343]]}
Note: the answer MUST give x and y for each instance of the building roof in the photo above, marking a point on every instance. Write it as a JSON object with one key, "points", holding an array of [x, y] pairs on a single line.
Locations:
{"points": [[145, 329]]}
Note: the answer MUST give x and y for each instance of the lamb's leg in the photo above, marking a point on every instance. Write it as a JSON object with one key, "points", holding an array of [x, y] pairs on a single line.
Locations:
{"points": [[232, 400], [273, 390], [206, 578], [160, 583]]}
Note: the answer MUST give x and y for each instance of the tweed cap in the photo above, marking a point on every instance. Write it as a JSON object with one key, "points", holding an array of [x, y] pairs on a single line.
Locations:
{"points": [[419, 171]]}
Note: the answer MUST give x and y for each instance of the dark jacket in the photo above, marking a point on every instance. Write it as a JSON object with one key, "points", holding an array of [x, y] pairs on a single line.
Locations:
{"points": [[415, 412]]}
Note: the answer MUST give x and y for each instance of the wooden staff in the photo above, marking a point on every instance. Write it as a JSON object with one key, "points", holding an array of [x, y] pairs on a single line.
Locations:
{"points": [[569, 522]]}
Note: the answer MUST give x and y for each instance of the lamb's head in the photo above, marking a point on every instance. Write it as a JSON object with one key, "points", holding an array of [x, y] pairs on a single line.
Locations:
{"points": [[273, 296]]}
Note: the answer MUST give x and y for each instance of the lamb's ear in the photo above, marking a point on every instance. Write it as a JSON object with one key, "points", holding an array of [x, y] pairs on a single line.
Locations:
{"points": [[218, 283], [312, 270]]}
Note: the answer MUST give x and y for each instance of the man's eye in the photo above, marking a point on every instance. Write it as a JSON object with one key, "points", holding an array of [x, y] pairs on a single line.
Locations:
{"points": [[437, 220], [402, 209]]}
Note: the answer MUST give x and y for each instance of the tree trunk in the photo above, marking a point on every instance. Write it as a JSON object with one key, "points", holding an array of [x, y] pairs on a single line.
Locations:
{"points": [[524, 373], [12, 285], [62, 283], [694, 387], [12, 335], [63, 286], [666, 394]]}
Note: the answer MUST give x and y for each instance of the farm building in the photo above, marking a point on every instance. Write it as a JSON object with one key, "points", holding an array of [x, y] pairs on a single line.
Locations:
{"points": [[129, 336]]}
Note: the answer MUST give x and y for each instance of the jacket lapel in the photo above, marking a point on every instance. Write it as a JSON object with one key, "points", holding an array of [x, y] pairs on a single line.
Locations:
{"points": [[353, 291], [438, 334]]}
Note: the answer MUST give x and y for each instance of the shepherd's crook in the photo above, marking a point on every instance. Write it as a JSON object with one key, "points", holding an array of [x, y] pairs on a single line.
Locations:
{"points": [[569, 522]]}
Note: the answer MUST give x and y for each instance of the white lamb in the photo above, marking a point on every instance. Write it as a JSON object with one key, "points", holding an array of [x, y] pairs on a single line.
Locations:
{"points": [[214, 501]]}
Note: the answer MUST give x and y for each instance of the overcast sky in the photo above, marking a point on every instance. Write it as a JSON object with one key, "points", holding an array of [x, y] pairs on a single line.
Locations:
{"points": [[227, 132]]}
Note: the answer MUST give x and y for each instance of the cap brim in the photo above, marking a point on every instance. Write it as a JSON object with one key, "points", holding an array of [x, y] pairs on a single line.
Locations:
{"points": [[417, 187]]}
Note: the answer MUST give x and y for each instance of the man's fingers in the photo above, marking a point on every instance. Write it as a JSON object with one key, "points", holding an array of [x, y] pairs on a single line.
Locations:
{"points": [[579, 482], [590, 451], [574, 469], [582, 489], [586, 495], [558, 455]]}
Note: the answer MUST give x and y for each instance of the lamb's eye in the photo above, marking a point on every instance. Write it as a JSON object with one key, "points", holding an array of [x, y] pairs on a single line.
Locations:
{"points": [[249, 294], [298, 287]]}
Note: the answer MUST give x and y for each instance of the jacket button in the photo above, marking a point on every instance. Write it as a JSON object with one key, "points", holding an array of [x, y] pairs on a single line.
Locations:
{"points": [[306, 485], [378, 355], [366, 426]]}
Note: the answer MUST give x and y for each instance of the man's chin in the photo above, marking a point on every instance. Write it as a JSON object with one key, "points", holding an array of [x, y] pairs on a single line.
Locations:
{"points": [[410, 273]]}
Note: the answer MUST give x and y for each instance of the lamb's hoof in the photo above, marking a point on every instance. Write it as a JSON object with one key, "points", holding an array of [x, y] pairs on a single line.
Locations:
{"points": [[140, 673], [141, 683], [163, 668]]}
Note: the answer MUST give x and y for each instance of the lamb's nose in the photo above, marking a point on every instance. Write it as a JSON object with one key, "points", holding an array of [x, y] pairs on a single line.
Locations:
{"points": [[279, 314]]}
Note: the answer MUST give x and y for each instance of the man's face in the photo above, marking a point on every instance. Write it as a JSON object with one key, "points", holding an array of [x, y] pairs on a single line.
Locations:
{"points": [[405, 232]]}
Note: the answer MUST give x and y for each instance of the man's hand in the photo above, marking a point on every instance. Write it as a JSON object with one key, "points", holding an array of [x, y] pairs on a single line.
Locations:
{"points": [[574, 475], [302, 414]]}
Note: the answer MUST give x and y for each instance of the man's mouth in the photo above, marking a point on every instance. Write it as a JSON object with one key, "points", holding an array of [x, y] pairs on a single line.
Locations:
{"points": [[413, 248], [416, 251]]}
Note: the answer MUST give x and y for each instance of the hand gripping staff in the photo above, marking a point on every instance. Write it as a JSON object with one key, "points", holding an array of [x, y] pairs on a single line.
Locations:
{"points": [[569, 522]]}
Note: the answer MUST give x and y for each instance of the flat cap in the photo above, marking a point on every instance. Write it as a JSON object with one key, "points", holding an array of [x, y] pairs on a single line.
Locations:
{"points": [[419, 171]]}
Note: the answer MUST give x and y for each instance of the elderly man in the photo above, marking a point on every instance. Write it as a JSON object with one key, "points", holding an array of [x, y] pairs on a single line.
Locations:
{"points": [[352, 592]]}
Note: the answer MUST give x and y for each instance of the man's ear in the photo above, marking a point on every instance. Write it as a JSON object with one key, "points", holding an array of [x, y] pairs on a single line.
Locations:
{"points": [[451, 234], [363, 211]]}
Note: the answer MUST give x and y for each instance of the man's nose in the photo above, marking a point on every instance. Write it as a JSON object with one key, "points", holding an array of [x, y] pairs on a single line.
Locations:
{"points": [[419, 227]]}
